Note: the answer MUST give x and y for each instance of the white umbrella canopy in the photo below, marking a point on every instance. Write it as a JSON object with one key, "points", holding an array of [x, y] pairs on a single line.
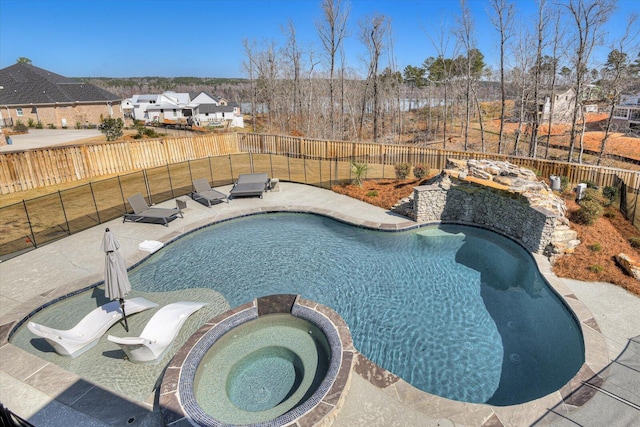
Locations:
{"points": [[116, 279]]}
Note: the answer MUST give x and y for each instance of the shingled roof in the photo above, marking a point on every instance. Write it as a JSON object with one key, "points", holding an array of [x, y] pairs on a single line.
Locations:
{"points": [[25, 84]]}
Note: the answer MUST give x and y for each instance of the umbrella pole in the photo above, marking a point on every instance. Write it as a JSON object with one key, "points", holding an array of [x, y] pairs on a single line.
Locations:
{"points": [[124, 315]]}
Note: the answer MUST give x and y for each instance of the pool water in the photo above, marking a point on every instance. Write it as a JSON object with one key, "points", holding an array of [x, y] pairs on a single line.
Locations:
{"points": [[456, 311]]}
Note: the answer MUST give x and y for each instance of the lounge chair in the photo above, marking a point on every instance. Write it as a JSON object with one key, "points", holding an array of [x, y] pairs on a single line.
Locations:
{"points": [[159, 333], [250, 185], [142, 211], [75, 341], [205, 194]]}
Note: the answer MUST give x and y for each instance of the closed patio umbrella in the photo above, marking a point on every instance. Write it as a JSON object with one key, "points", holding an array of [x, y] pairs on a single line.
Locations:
{"points": [[116, 279]]}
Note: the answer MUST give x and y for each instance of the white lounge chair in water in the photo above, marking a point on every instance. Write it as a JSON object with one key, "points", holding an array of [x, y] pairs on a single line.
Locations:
{"points": [[75, 341], [158, 334]]}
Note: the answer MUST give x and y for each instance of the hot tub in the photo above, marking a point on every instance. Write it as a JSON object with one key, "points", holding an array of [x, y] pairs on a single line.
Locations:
{"points": [[270, 362]]}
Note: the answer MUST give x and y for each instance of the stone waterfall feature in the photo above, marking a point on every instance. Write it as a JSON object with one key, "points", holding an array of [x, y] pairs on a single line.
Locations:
{"points": [[499, 196]]}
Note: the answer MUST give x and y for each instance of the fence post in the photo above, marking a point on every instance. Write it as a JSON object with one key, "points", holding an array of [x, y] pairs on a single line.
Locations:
{"points": [[190, 174], [304, 167], [124, 204], [271, 164], [635, 206], [170, 182], [95, 204], [33, 236], [64, 213]]}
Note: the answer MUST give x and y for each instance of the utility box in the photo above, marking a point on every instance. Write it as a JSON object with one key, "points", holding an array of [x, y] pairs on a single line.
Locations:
{"points": [[580, 190], [556, 183]]}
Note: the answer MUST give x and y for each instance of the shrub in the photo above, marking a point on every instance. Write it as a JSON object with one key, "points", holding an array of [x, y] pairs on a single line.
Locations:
{"points": [[39, 125], [589, 212], [51, 126], [402, 170], [31, 123], [608, 213], [610, 193], [420, 171], [372, 193], [20, 126], [593, 195], [78, 125], [595, 247], [112, 128], [596, 268], [634, 242]]}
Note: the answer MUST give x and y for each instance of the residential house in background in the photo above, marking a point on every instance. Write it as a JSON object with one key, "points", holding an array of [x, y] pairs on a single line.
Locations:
{"points": [[167, 108], [200, 109], [563, 106], [627, 114], [29, 93]]}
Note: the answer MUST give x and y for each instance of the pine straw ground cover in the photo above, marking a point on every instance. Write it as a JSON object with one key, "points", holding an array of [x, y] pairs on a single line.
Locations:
{"points": [[610, 233]]}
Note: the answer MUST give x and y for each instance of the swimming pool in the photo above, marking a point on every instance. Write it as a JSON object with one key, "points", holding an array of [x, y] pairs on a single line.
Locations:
{"points": [[456, 311]]}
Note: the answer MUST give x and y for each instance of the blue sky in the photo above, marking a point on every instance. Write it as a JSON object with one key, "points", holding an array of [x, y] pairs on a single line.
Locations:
{"points": [[203, 38]]}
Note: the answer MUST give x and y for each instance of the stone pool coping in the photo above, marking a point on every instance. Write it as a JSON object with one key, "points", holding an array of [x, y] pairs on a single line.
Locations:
{"points": [[568, 398], [177, 402]]}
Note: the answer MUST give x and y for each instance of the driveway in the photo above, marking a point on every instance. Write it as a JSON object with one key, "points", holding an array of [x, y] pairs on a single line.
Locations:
{"points": [[40, 138]]}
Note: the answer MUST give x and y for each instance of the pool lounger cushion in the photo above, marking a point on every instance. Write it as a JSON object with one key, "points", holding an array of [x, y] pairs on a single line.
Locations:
{"points": [[158, 334], [150, 246], [204, 193], [142, 211], [75, 341], [250, 185]]}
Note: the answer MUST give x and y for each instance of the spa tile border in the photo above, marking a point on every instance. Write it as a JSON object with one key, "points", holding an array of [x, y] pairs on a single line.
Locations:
{"points": [[178, 405]]}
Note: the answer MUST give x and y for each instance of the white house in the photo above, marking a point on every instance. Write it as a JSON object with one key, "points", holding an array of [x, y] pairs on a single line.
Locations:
{"points": [[627, 113], [201, 109]]}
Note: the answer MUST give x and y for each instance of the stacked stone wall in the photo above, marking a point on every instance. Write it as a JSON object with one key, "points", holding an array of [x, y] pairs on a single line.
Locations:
{"points": [[500, 211]]}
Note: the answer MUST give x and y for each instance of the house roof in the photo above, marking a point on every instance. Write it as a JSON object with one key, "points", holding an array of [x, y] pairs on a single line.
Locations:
{"points": [[25, 84], [210, 108]]}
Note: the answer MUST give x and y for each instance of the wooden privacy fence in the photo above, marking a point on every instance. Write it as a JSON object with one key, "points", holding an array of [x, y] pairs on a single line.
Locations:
{"points": [[432, 157], [56, 165], [39, 168]]}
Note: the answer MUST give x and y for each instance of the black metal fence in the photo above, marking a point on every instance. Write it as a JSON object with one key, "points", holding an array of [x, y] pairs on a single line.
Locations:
{"points": [[38, 221]]}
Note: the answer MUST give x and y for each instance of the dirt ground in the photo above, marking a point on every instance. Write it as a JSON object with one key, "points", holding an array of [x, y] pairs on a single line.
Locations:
{"points": [[611, 232]]}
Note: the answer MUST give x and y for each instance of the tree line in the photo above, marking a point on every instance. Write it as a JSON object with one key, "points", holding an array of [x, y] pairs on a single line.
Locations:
{"points": [[318, 94], [292, 89]]}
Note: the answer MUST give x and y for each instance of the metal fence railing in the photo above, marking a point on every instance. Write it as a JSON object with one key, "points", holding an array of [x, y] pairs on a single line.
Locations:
{"points": [[38, 221], [41, 220]]}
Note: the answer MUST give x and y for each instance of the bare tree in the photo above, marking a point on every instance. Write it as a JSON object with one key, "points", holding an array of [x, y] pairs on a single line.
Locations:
{"points": [[333, 31], [465, 36], [372, 35], [503, 21], [540, 44], [524, 59], [618, 74], [552, 67], [293, 54], [251, 69], [440, 70], [589, 17]]}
